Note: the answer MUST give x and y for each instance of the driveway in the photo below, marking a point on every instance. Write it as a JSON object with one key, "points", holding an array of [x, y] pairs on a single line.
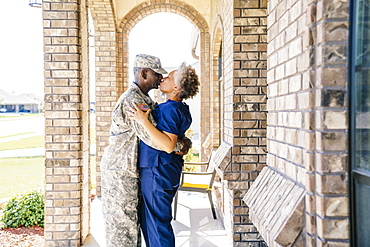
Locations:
{"points": [[17, 125]]}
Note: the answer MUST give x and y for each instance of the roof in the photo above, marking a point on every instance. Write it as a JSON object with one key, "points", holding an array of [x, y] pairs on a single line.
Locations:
{"points": [[23, 99]]}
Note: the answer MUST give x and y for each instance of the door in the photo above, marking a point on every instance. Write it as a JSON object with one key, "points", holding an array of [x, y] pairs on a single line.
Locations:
{"points": [[360, 121]]}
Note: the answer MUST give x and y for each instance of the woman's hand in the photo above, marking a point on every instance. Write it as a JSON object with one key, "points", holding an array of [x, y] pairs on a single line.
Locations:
{"points": [[138, 115], [164, 140]]}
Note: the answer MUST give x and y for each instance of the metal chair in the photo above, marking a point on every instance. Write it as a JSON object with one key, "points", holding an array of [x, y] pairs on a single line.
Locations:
{"points": [[198, 182]]}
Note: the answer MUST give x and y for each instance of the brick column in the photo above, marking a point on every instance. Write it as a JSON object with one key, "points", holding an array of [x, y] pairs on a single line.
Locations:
{"points": [[331, 171], [307, 119], [249, 112], [67, 122], [106, 86], [205, 95], [216, 91]]}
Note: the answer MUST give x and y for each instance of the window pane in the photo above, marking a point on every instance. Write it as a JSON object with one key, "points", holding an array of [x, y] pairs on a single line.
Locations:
{"points": [[362, 82], [362, 213]]}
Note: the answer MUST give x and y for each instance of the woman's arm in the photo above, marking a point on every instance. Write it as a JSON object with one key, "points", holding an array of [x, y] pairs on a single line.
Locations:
{"points": [[166, 141]]}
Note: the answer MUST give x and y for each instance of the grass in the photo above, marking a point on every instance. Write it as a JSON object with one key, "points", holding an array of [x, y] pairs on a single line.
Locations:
{"points": [[17, 134], [31, 142], [5, 117], [93, 172], [92, 134], [20, 175], [20, 115]]}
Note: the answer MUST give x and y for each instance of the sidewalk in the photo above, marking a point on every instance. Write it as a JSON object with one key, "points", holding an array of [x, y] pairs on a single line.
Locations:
{"points": [[31, 152], [194, 227], [19, 128]]}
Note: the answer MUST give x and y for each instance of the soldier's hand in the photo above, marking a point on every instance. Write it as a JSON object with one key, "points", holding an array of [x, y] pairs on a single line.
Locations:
{"points": [[186, 145]]}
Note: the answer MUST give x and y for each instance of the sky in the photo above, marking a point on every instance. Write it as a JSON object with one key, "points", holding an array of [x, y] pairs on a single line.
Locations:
{"points": [[21, 48], [165, 35]]}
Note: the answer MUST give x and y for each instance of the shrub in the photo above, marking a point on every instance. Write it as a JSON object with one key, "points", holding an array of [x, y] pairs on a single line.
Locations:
{"points": [[192, 155], [24, 210]]}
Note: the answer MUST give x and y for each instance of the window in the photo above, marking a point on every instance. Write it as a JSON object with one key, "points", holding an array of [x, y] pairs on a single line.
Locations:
{"points": [[360, 121]]}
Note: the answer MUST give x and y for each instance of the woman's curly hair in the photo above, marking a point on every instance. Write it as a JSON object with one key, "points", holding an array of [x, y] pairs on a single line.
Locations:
{"points": [[187, 80]]}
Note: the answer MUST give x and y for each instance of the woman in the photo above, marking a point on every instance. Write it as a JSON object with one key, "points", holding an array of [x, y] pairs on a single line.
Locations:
{"points": [[160, 171]]}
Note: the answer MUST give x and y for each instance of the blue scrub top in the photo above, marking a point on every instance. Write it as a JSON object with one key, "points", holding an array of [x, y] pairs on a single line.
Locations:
{"points": [[172, 117]]}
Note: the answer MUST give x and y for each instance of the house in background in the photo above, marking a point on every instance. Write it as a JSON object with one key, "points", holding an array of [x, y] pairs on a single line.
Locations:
{"points": [[29, 103]]}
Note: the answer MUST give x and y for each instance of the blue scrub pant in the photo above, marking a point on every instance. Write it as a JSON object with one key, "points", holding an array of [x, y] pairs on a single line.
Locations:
{"points": [[159, 186]]}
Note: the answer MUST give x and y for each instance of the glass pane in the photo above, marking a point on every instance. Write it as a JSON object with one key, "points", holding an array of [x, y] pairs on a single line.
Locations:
{"points": [[362, 196], [362, 84]]}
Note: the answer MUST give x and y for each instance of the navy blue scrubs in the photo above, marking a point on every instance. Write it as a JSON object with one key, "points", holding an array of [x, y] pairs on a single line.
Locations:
{"points": [[160, 176]]}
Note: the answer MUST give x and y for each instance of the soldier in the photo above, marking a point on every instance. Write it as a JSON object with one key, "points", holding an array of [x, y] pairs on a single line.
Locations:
{"points": [[120, 177]]}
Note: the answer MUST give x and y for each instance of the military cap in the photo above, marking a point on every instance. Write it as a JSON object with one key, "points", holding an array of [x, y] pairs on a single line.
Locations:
{"points": [[148, 61]]}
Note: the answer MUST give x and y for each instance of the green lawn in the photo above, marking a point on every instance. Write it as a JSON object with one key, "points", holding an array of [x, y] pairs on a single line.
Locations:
{"points": [[93, 172], [19, 175], [20, 115], [31, 142], [17, 134]]}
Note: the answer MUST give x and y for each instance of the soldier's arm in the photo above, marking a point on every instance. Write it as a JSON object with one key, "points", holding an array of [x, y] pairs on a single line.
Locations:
{"points": [[136, 127]]}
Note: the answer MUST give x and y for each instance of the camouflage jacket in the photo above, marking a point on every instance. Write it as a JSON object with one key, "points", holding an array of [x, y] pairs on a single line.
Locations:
{"points": [[121, 153]]}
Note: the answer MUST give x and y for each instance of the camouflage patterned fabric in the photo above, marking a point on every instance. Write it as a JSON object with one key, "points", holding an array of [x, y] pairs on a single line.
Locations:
{"points": [[120, 177], [148, 61]]}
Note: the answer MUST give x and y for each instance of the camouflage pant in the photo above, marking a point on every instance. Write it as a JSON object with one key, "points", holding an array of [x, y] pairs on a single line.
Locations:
{"points": [[120, 197]]}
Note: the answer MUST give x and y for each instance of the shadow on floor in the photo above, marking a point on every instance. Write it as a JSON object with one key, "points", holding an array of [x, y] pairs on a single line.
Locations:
{"points": [[194, 227]]}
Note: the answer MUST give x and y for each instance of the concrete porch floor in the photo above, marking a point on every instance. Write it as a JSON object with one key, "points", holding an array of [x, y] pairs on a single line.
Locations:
{"points": [[194, 227]]}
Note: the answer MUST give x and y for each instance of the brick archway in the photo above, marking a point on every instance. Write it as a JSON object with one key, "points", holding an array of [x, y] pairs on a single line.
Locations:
{"points": [[111, 57], [105, 74], [217, 85], [182, 9]]}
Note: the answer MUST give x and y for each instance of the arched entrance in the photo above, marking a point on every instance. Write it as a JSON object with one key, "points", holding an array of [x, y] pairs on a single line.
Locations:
{"points": [[67, 102], [190, 13], [112, 63]]}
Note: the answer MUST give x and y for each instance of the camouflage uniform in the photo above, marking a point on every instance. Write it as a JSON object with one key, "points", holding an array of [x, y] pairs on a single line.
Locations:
{"points": [[120, 177]]}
